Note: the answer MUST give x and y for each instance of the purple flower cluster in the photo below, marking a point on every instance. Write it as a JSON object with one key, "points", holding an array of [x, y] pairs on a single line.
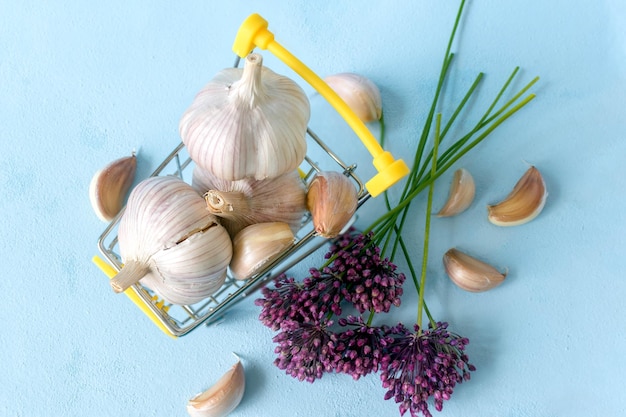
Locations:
{"points": [[372, 283], [425, 364], [305, 350], [413, 366], [355, 273], [359, 349]]}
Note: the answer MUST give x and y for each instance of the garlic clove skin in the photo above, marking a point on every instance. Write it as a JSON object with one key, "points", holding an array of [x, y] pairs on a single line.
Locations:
{"points": [[244, 202], [170, 243], [523, 204], [248, 122], [462, 191], [256, 245], [469, 273], [223, 397], [359, 93], [109, 186], [332, 200]]}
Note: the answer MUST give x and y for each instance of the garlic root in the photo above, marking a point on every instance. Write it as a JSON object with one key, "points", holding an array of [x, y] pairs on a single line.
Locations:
{"points": [[223, 397], [130, 274], [221, 203], [244, 202]]}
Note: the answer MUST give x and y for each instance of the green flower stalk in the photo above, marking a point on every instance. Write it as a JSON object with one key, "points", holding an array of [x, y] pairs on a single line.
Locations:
{"points": [[420, 364]]}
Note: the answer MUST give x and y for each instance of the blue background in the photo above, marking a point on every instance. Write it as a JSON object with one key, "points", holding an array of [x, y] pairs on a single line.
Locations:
{"points": [[83, 83]]}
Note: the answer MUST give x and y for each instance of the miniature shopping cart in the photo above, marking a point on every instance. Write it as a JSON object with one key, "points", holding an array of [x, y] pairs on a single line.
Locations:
{"points": [[177, 320]]}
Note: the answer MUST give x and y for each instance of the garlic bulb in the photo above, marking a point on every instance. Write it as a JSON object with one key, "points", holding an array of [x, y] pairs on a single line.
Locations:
{"points": [[169, 241], [248, 201], [523, 204], [359, 93], [258, 244], [469, 273], [332, 200], [223, 397], [247, 123], [108, 187], [461, 194]]}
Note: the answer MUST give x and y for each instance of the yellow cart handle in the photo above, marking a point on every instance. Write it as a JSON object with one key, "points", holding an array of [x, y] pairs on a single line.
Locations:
{"points": [[253, 32]]}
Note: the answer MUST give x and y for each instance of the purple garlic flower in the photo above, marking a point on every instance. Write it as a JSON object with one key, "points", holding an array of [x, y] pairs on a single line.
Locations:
{"points": [[281, 303], [423, 364], [305, 350], [371, 283], [361, 347], [318, 294]]}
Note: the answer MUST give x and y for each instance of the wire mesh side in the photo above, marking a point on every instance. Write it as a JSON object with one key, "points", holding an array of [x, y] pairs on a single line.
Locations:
{"points": [[180, 320]]}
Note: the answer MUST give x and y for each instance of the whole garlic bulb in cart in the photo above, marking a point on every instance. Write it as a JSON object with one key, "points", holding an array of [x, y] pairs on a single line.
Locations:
{"points": [[171, 243], [248, 122]]}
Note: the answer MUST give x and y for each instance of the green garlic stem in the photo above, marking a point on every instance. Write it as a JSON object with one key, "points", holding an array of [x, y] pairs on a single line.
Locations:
{"points": [[429, 207]]}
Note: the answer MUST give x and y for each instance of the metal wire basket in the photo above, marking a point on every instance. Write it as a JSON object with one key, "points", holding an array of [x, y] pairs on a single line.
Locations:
{"points": [[177, 320]]}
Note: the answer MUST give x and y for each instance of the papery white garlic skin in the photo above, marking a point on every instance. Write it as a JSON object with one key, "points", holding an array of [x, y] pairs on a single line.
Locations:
{"points": [[247, 123], [332, 199], [171, 242], [462, 191], [360, 94], [109, 186], [258, 244], [523, 204], [469, 273], [248, 201], [222, 398]]}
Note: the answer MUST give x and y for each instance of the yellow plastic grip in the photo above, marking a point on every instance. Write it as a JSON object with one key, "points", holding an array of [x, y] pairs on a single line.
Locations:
{"points": [[254, 33], [110, 272]]}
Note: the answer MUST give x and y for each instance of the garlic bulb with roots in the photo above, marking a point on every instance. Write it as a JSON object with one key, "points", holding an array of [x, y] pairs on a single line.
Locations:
{"points": [[244, 202], [170, 243], [248, 122]]}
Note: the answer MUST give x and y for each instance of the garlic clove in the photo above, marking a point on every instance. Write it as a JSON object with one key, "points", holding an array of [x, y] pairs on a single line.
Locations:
{"points": [[223, 397], [469, 273], [256, 245], [108, 187], [462, 191], [248, 122], [359, 93], [244, 202], [523, 204], [332, 200]]}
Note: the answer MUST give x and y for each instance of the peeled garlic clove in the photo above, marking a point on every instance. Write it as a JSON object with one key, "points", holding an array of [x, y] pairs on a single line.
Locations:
{"points": [[470, 273], [258, 244], [461, 195], [523, 204], [248, 201], [332, 200], [359, 93], [109, 186], [170, 243], [248, 122], [223, 397]]}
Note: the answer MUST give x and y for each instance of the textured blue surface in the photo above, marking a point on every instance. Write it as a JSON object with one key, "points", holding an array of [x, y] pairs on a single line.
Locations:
{"points": [[83, 83]]}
